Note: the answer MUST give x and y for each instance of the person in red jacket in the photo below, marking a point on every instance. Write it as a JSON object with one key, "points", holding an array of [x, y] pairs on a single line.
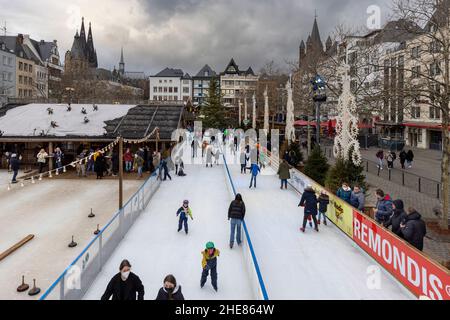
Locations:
{"points": [[128, 158]]}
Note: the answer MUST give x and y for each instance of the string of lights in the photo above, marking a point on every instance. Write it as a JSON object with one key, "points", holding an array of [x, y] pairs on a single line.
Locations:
{"points": [[56, 172]]}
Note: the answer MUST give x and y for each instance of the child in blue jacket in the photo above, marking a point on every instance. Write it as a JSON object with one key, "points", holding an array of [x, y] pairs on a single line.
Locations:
{"points": [[254, 169]]}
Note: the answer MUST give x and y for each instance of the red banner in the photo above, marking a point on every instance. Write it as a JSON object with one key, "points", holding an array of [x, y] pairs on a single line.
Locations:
{"points": [[421, 276]]}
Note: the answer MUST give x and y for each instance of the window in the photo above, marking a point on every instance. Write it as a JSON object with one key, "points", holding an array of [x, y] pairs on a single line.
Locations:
{"points": [[175, 90], [20, 92], [30, 68], [185, 89], [20, 66], [415, 72], [155, 98], [20, 79], [415, 52], [155, 89], [435, 69], [170, 89], [160, 89], [4, 60], [185, 81], [415, 112], [165, 89], [435, 47]]}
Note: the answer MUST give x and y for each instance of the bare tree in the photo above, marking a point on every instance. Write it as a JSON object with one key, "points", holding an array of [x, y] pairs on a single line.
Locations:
{"points": [[429, 70]]}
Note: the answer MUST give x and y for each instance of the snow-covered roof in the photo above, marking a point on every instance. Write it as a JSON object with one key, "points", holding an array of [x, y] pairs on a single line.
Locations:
{"points": [[32, 119]]}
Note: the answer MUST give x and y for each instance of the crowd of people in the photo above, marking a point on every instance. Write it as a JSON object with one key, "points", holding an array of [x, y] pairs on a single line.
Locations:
{"points": [[406, 159]]}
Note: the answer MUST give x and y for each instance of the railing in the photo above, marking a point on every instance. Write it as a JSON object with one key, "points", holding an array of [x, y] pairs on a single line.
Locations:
{"points": [[401, 177], [249, 252], [76, 279]]}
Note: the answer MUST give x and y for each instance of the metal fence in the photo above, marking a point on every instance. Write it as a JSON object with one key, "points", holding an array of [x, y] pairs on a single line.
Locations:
{"points": [[401, 177], [76, 279]]}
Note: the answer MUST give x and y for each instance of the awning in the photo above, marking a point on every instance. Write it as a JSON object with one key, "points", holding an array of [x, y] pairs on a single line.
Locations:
{"points": [[424, 125]]}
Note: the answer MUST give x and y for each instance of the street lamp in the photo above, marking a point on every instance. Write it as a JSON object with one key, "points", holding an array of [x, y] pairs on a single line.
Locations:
{"points": [[319, 96]]}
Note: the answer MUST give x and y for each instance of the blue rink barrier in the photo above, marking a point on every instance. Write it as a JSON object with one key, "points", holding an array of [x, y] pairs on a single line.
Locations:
{"points": [[262, 287]]}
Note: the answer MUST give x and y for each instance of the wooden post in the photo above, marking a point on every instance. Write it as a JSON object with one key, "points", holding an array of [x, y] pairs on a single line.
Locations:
{"points": [[120, 173], [50, 153]]}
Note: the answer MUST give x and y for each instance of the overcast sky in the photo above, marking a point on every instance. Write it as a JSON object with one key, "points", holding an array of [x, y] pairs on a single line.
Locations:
{"points": [[186, 33]]}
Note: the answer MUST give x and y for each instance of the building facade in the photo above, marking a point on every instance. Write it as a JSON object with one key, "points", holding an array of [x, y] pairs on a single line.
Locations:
{"points": [[171, 85], [7, 72], [237, 85], [201, 83]]}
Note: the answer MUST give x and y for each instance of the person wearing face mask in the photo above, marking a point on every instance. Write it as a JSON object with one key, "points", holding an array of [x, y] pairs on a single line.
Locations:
{"points": [[125, 285], [170, 290], [184, 212], [209, 263], [345, 192]]}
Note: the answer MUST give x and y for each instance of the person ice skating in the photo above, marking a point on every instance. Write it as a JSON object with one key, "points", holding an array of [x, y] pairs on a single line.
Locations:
{"points": [[194, 146], [357, 198], [216, 156], [184, 213], [344, 192], [284, 173], [179, 164], [409, 159], [128, 158], [236, 214], [323, 200], [209, 264], [414, 229], [209, 155], [81, 165], [243, 162], [383, 210], [309, 202], [390, 160], [15, 166], [254, 169], [42, 159], [125, 285], [380, 157], [402, 157], [397, 218], [165, 169], [170, 290]]}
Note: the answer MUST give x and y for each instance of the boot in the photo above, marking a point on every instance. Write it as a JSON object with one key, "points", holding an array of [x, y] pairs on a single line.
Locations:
{"points": [[325, 222], [302, 230], [317, 229]]}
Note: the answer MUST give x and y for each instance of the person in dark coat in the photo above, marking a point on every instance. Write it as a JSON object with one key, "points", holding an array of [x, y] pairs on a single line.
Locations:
{"points": [[165, 169], [402, 157], [409, 159], [383, 210], [115, 163], [209, 264], [124, 285], [414, 229], [345, 192], [284, 173], [309, 202], [14, 162], [324, 201], [396, 218], [170, 290], [236, 214], [100, 165]]}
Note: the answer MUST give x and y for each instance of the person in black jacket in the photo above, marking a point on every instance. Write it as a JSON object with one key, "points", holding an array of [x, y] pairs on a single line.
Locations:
{"points": [[324, 200], [309, 202], [15, 166], [170, 290], [124, 285], [414, 229], [236, 213], [397, 217]]}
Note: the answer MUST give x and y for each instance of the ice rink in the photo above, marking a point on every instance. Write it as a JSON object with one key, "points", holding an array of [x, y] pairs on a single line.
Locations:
{"points": [[155, 249], [52, 210], [324, 265]]}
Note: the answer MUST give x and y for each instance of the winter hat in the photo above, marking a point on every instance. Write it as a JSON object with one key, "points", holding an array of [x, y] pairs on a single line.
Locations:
{"points": [[398, 204], [186, 202], [13, 155], [210, 245]]}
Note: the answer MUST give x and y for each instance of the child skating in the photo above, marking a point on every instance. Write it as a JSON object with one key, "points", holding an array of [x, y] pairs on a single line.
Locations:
{"points": [[184, 212], [209, 263], [324, 200]]}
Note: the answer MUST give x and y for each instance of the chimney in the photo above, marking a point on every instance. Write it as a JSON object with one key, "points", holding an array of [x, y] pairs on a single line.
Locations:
{"points": [[20, 38]]}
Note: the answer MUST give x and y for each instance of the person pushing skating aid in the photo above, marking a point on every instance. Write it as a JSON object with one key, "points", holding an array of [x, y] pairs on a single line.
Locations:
{"points": [[209, 263], [184, 212]]}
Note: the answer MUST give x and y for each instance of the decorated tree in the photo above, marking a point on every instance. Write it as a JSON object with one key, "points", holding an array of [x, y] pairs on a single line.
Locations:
{"points": [[213, 113]]}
